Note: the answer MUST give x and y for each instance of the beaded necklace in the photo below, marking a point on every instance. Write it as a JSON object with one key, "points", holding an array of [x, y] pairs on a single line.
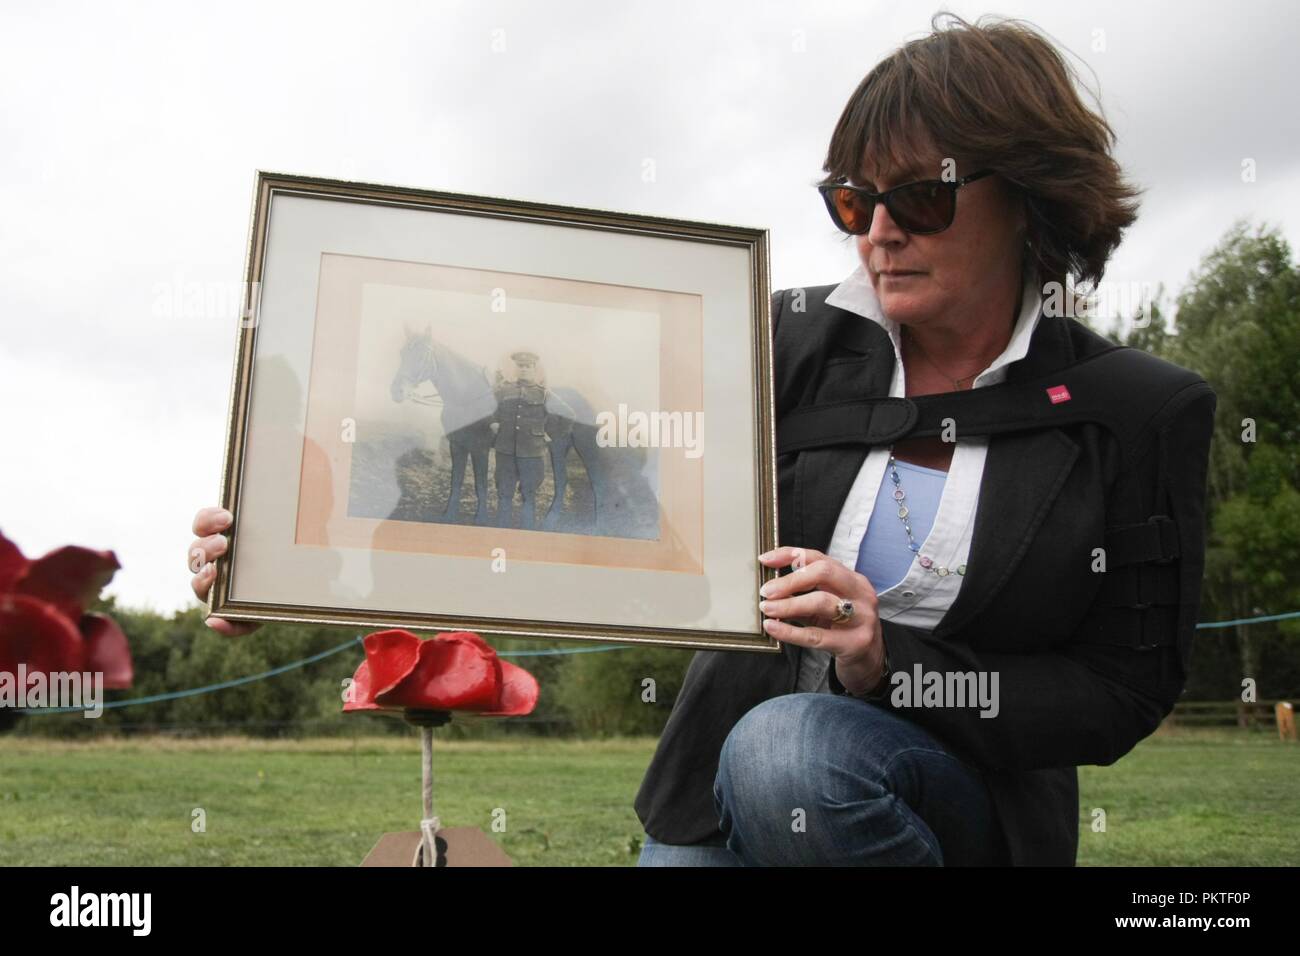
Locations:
{"points": [[924, 560]]}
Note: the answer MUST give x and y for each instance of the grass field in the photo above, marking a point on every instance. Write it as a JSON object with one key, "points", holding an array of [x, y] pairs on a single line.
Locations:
{"points": [[1187, 798]]}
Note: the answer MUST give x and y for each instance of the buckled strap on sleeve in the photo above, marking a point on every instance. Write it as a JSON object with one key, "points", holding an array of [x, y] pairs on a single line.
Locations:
{"points": [[1155, 539], [1139, 586], [1137, 604]]}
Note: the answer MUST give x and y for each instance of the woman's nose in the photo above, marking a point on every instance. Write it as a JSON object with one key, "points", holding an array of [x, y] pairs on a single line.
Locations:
{"points": [[883, 228]]}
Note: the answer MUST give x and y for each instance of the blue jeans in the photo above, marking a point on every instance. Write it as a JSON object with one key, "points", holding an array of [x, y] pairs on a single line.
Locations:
{"points": [[822, 780]]}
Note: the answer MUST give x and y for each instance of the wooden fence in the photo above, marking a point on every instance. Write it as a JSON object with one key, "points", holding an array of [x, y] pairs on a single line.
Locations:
{"points": [[1257, 715]]}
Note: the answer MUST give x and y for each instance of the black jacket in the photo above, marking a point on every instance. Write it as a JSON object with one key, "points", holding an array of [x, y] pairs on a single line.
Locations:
{"points": [[1089, 663]]}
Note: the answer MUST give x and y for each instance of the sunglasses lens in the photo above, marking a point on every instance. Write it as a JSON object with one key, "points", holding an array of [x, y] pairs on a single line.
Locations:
{"points": [[922, 207], [851, 211]]}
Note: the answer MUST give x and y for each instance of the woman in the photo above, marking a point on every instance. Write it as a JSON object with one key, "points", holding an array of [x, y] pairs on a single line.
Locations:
{"points": [[971, 561], [972, 179]]}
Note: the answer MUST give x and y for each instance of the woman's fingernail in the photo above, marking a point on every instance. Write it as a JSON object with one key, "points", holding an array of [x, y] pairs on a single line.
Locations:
{"points": [[765, 590], [763, 606], [225, 516], [765, 555], [768, 624]]}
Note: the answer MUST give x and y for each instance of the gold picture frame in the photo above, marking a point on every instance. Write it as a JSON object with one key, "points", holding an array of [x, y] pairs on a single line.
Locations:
{"points": [[407, 357]]}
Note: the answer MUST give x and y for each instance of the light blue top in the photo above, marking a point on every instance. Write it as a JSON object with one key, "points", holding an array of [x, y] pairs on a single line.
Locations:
{"points": [[884, 556]]}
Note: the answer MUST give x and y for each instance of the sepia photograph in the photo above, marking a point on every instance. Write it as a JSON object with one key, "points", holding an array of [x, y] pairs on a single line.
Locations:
{"points": [[461, 420]]}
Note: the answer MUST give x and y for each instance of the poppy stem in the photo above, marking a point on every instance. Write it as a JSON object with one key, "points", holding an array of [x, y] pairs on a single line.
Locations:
{"points": [[426, 766], [428, 825], [426, 720]]}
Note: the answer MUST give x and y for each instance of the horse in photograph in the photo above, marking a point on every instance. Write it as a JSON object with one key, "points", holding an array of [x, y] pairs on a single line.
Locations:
{"points": [[467, 401], [581, 437]]}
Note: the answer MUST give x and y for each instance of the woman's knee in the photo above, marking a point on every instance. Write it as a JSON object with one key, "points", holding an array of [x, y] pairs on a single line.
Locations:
{"points": [[816, 750], [801, 780], [768, 734], [783, 749]]}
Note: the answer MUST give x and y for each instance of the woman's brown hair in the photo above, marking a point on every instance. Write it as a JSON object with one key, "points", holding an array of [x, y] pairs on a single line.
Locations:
{"points": [[997, 94]]}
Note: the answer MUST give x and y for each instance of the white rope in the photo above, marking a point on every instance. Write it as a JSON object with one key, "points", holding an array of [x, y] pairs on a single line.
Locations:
{"points": [[430, 824]]}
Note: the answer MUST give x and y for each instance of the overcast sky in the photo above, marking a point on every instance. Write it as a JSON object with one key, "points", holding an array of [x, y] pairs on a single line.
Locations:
{"points": [[130, 133]]}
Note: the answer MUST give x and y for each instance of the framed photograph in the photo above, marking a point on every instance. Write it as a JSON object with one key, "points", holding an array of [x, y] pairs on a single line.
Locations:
{"points": [[460, 412]]}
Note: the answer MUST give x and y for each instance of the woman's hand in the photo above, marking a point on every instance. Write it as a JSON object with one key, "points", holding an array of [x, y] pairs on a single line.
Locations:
{"points": [[203, 550], [857, 644]]}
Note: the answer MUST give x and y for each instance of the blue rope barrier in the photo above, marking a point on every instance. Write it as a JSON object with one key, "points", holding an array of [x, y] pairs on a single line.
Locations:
{"points": [[195, 691], [1251, 620], [275, 671], [253, 678]]}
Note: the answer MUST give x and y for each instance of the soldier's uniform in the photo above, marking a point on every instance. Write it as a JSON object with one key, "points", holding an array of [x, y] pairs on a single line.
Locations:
{"points": [[527, 413], [521, 413]]}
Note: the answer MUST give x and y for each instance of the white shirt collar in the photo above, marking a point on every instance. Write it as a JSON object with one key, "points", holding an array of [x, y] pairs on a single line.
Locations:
{"points": [[856, 295]]}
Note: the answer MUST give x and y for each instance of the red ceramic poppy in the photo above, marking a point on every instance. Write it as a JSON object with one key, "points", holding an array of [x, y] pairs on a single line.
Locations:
{"points": [[457, 670], [43, 619]]}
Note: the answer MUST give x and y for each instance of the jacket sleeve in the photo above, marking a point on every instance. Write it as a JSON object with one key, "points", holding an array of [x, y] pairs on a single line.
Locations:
{"points": [[780, 386], [1093, 697]]}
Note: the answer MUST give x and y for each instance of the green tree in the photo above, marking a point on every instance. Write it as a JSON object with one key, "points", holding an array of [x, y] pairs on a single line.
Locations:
{"points": [[625, 692]]}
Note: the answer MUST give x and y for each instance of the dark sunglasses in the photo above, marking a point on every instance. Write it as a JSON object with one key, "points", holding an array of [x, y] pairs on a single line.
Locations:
{"points": [[922, 208]]}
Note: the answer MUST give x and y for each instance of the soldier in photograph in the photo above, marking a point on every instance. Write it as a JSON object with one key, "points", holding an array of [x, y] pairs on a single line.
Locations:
{"points": [[528, 417]]}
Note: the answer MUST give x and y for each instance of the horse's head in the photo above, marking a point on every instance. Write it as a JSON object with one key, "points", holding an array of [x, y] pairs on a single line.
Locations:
{"points": [[416, 365]]}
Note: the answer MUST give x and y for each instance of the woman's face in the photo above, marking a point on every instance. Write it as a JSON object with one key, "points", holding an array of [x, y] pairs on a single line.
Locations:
{"points": [[952, 274]]}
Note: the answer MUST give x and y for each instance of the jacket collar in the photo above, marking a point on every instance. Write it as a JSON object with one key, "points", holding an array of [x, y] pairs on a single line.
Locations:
{"points": [[856, 295], [1023, 471]]}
